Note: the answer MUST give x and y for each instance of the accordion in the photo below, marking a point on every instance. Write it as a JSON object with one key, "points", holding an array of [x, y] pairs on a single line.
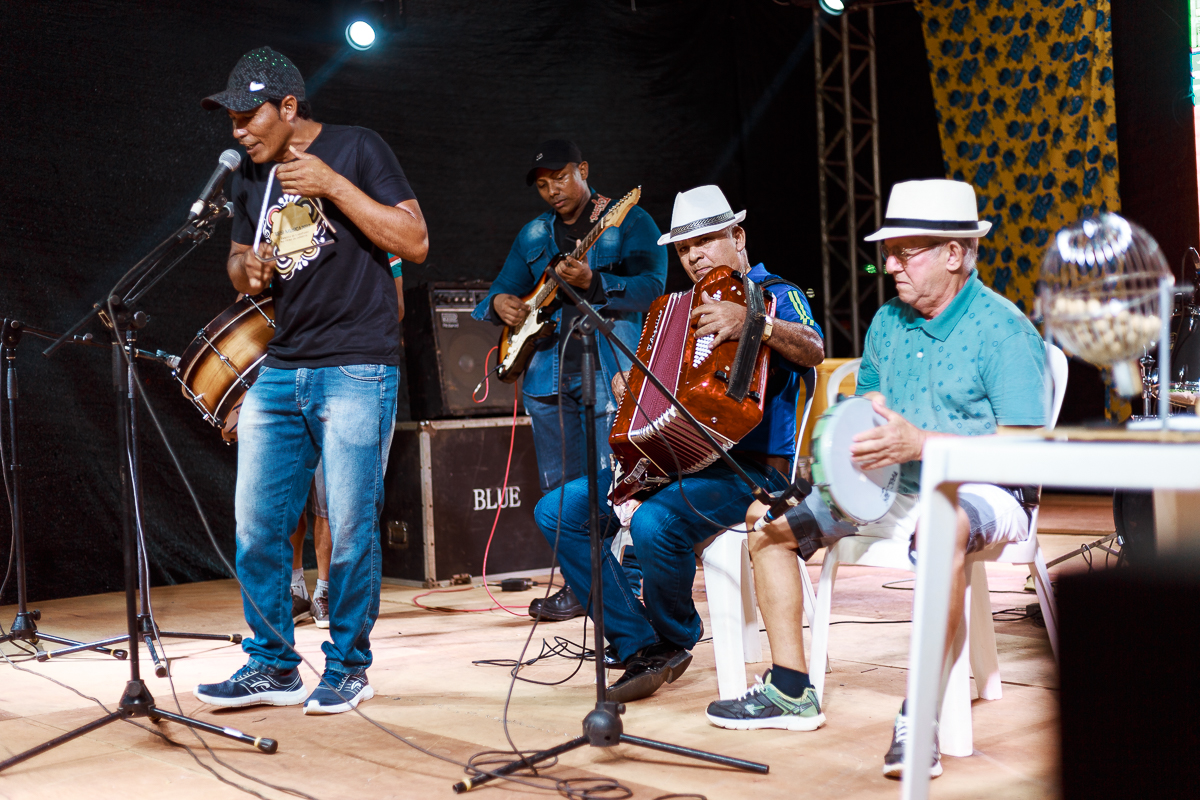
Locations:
{"points": [[651, 441]]}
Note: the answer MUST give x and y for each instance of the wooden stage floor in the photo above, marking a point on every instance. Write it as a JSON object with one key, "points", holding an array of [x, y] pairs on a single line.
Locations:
{"points": [[429, 692]]}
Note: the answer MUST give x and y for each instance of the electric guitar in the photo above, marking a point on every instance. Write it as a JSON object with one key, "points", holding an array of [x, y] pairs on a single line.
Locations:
{"points": [[517, 343]]}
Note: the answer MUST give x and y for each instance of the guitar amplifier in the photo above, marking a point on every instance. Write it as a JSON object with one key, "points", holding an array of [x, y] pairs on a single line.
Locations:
{"points": [[444, 484], [446, 351]]}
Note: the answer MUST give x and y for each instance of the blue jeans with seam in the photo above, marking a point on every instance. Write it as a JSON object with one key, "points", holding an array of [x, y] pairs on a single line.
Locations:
{"points": [[290, 419], [665, 531]]}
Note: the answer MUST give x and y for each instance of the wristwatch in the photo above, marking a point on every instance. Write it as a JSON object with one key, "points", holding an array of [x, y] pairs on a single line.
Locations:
{"points": [[768, 327]]}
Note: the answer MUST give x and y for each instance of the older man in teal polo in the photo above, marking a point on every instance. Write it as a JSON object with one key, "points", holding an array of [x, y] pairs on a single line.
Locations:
{"points": [[947, 357]]}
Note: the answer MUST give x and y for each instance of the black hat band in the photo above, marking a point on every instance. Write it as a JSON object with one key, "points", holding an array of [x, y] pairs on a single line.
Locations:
{"points": [[931, 224], [702, 223]]}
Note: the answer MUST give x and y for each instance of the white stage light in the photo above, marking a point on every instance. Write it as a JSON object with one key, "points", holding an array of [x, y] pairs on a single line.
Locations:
{"points": [[834, 7], [360, 34]]}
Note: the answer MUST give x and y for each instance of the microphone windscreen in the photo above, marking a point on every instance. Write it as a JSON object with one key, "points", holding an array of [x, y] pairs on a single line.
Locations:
{"points": [[230, 159]]}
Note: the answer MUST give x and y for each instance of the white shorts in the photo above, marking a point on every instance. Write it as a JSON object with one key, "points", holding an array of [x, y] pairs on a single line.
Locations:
{"points": [[994, 515]]}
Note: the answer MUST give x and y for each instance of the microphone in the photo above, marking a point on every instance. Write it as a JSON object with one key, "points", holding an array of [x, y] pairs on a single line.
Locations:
{"points": [[792, 496], [228, 162]]}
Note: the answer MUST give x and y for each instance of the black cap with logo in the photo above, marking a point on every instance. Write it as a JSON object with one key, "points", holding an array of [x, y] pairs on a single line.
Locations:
{"points": [[258, 76], [552, 155]]}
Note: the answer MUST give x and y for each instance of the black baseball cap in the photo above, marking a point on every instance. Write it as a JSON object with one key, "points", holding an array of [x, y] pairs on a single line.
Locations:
{"points": [[258, 76], [553, 154]]}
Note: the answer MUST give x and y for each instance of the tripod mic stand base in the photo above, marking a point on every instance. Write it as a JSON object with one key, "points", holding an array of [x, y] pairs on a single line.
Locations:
{"points": [[24, 629], [602, 728], [138, 702]]}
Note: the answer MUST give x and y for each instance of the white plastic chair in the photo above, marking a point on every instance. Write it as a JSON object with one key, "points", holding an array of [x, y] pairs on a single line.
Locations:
{"points": [[729, 586], [955, 719]]}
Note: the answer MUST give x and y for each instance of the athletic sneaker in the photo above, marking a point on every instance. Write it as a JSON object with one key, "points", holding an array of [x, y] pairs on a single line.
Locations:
{"points": [[893, 760], [301, 606], [253, 685], [320, 610], [764, 706], [337, 693]]}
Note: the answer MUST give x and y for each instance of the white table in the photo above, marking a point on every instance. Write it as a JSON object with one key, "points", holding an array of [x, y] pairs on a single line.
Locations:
{"points": [[1171, 470]]}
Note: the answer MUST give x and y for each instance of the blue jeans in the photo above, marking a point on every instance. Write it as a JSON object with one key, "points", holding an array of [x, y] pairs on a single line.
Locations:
{"points": [[290, 420], [665, 532], [549, 436]]}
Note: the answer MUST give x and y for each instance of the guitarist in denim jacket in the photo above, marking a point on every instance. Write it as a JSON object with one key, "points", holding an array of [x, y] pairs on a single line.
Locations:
{"points": [[621, 275]]}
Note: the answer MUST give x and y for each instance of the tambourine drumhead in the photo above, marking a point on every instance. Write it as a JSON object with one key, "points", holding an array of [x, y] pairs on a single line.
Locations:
{"points": [[861, 497]]}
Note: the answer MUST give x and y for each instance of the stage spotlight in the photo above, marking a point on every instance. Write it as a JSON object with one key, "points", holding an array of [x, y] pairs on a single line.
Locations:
{"points": [[360, 34], [834, 7]]}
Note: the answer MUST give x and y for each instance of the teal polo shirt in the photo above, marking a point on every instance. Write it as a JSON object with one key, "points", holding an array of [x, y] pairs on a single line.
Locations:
{"points": [[978, 364]]}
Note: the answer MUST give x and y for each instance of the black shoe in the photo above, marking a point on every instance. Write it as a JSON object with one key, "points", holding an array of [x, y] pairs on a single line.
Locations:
{"points": [[301, 608], [557, 607], [893, 760], [611, 659], [648, 669]]}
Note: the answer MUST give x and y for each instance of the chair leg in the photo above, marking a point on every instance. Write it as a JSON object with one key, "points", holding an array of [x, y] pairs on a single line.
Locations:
{"points": [[751, 638], [810, 594], [820, 624], [954, 723], [1045, 594], [723, 569], [985, 664]]}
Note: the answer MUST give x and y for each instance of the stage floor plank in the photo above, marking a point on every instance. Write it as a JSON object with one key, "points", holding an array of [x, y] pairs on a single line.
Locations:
{"points": [[429, 692]]}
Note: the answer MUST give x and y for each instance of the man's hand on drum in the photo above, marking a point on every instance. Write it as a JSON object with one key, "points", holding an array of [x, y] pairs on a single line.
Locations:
{"points": [[257, 271], [721, 318], [307, 176], [510, 309], [575, 273], [894, 442]]}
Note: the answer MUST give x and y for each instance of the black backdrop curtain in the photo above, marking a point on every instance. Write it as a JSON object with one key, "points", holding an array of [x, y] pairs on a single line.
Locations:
{"points": [[105, 146]]}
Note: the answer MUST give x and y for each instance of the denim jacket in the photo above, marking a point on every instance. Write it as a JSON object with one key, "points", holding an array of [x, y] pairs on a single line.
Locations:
{"points": [[631, 267]]}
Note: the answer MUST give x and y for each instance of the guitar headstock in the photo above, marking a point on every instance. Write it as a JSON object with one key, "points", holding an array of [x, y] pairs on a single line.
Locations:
{"points": [[616, 214]]}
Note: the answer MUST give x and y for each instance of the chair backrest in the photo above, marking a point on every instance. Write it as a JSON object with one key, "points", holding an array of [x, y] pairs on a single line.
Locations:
{"points": [[810, 389], [1056, 366], [835, 380]]}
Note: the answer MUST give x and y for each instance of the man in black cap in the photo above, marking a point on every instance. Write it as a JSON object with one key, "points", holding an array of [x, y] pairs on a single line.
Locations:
{"points": [[317, 210], [623, 273]]}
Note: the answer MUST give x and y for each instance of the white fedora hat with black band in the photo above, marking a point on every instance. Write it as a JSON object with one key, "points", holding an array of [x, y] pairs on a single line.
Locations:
{"points": [[699, 211], [941, 208]]}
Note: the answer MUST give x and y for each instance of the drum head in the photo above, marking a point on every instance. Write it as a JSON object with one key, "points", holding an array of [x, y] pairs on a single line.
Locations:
{"points": [[860, 496]]}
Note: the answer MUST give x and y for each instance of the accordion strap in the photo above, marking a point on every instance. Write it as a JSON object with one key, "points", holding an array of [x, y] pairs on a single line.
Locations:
{"points": [[751, 340]]}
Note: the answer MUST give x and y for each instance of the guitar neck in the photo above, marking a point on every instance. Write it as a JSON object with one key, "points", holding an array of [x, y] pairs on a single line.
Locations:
{"points": [[586, 242]]}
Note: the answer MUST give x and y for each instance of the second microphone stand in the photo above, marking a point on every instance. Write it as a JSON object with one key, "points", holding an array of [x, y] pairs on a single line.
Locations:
{"points": [[602, 727]]}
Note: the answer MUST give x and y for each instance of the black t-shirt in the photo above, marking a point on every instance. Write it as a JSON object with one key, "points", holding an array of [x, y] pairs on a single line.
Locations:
{"points": [[567, 237], [334, 305]]}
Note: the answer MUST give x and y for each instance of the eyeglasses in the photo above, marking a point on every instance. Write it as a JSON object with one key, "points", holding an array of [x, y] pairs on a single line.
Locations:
{"points": [[906, 254]]}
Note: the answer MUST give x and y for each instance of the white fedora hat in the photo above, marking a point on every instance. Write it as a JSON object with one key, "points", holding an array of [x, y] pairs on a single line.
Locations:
{"points": [[932, 208], [699, 211]]}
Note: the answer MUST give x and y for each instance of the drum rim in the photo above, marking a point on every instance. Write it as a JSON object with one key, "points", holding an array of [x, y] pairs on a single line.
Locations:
{"points": [[216, 329], [822, 449]]}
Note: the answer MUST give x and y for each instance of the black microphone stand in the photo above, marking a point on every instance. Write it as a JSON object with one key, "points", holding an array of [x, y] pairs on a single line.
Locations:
{"points": [[136, 701], [24, 627], [602, 727]]}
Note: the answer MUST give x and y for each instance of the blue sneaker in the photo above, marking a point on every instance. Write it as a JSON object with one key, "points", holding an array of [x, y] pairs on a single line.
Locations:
{"points": [[337, 693], [253, 685]]}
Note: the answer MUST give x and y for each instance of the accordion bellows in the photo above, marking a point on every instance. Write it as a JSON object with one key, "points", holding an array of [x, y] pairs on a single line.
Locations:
{"points": [[651, 440]]}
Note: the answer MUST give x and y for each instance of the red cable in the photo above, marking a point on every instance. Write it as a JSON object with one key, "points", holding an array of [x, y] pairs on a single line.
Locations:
{"points": [[503, 492]]}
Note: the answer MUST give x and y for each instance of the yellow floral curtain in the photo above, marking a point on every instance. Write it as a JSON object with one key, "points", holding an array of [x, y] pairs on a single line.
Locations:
{"points": [[1024, 94]]}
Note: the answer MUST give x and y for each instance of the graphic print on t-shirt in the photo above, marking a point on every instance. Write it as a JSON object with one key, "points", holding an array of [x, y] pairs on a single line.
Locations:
{"points": [[296, 228]]}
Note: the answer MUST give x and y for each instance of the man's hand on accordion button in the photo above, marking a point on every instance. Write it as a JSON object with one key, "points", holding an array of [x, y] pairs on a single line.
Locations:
{"points": [[722, 318]]}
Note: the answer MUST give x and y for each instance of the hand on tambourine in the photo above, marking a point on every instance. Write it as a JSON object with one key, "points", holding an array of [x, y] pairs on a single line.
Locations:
{"points": [[575, 272], [307, 176], [721, 318], [895, 442]]}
